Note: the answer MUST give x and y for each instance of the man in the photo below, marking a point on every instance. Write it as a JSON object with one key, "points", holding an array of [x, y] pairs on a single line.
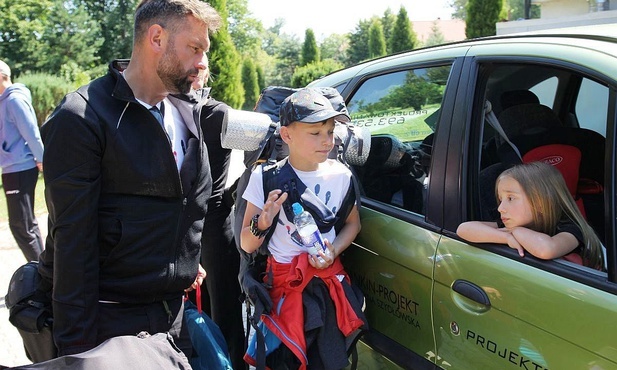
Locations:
{"points": [[219, 255], [21, 156], [127, 184]]}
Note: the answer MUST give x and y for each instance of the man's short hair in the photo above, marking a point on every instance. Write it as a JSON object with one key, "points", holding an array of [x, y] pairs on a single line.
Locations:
{"points": [[172, 14]]}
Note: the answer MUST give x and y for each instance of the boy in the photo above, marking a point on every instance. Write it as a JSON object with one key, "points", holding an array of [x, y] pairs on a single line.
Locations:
{"points": [[307, 122]]}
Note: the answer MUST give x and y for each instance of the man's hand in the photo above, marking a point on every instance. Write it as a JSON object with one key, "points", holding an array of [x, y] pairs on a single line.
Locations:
{"points": [[39, 165], [201, 275]]}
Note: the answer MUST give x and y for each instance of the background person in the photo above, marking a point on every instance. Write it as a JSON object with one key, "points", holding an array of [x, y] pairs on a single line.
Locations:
{"points": [[21, 156], [219, 255], [126, 205], [538, 215]]}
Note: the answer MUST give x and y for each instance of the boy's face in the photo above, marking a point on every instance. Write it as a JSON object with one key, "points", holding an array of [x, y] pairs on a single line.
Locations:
{"points": [[309, 143]]}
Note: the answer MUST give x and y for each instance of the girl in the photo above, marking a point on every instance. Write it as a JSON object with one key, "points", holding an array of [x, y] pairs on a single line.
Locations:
{"points": [[539, 215]]}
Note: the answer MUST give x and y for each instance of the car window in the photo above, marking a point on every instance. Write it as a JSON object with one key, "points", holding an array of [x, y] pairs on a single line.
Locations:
{"points": [[545, 91], [592, 106], [401, 110], [534, 130]]}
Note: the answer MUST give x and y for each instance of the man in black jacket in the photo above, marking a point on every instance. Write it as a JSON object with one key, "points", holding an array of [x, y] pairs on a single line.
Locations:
{"points": [[127, 185]]}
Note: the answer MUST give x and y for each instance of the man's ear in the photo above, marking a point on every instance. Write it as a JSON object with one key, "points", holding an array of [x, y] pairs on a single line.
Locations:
{"points": [[157, 38]]}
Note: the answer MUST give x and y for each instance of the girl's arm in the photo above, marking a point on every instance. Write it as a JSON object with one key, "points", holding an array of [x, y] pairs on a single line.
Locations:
{"points": [[543, 246], [482, 232]]}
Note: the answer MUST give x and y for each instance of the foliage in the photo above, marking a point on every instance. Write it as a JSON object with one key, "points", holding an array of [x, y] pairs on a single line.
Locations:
{"points": [[74, 37], [47, 91], [436, 37], [21, 23], [358, 43], [376, 40], [310, 52], [481, 17], [287, 58], [387, 21], [261, 77], [225, 63], [403, 37], [115, 20], [250, 83], [514, 9], [312, 71], [245, 30], [334, 47]]}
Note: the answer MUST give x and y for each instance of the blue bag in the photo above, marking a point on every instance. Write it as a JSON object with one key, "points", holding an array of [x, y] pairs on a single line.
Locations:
{"points": [[209, 347]]}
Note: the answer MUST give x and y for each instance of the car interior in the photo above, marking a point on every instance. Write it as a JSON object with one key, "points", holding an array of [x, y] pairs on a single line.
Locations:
{"points": [[552, 129]]}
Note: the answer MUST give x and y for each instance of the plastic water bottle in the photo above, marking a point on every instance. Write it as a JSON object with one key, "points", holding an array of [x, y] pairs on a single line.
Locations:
{"points": [[308, 231]]}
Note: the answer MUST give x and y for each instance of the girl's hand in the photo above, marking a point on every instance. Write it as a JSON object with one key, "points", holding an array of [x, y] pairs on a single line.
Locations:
{"points": [[514, 244]]}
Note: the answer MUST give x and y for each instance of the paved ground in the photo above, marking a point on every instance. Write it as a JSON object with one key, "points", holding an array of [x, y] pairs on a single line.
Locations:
{"points": [[11, 347]]}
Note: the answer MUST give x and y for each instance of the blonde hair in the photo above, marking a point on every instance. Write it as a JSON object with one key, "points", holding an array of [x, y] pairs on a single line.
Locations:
{"points": [[172, 14], [552, 202]]}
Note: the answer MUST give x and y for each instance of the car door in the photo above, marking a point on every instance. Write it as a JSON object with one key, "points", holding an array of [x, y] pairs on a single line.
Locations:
{"points": [[392, 258], [492, 308]]}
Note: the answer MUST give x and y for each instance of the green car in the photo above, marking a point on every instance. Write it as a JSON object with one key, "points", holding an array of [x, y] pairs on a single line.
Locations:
{"points": [[443, 128]]}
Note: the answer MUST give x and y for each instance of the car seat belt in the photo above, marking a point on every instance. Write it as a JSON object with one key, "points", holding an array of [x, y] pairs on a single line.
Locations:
{"points": [[494, 122]]}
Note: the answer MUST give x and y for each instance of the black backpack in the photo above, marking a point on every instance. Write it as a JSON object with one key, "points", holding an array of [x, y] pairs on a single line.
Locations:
{"points": [[276, 175]]}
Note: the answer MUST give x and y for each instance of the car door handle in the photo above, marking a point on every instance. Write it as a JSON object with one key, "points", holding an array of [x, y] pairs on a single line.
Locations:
{"points": [[471, 291]]}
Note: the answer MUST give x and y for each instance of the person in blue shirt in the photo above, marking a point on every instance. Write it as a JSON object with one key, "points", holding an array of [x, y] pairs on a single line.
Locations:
{"points": [[21, 159]]}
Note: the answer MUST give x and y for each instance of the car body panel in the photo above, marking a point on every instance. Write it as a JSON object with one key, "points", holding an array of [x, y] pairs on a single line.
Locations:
{"points": [[481, 306]]}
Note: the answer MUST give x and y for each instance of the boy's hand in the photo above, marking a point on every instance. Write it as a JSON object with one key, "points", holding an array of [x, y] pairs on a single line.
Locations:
{"points": [[271, 208], [327, 257]]}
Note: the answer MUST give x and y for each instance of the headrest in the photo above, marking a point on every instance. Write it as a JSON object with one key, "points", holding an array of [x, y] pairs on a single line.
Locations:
{"points": [[528, 119], [516, 97]]}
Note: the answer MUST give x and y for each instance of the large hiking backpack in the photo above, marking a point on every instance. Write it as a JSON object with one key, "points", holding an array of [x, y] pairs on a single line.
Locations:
{"points": [[258, 135]]}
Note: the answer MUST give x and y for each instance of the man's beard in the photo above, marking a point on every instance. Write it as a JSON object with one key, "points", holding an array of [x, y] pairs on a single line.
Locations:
{"points": [[170, 72]]}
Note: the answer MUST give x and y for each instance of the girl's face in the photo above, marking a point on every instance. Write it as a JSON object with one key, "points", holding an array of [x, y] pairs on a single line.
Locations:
{"points": [[514, 206], [309, 143]]}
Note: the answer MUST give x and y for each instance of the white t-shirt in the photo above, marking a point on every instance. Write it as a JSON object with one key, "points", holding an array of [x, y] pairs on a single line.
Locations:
{"points": [[176, 130], [330, 182]]}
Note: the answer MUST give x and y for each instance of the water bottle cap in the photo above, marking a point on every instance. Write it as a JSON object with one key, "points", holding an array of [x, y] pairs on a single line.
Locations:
{"points": [[297, 208]]}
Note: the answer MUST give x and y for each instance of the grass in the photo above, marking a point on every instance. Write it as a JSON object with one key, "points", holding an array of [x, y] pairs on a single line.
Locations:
{"points": [[39, 200]]}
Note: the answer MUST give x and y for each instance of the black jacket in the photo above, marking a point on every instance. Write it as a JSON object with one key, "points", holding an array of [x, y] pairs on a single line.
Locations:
{"points": [[124, 225]]}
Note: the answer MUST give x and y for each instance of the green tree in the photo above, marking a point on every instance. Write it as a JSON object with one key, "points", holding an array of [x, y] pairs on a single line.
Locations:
{"points": [[387, 21], [261, 77], [312, 71], [310, 51], [115, 20], [515, 9], [225, 63], [335, 47], [482, 15], [244, 29], [21, 24], [287, 57], [403, 37], [358, 43], [250, 83], [72, 36], [376, 40], [436, 36]]}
